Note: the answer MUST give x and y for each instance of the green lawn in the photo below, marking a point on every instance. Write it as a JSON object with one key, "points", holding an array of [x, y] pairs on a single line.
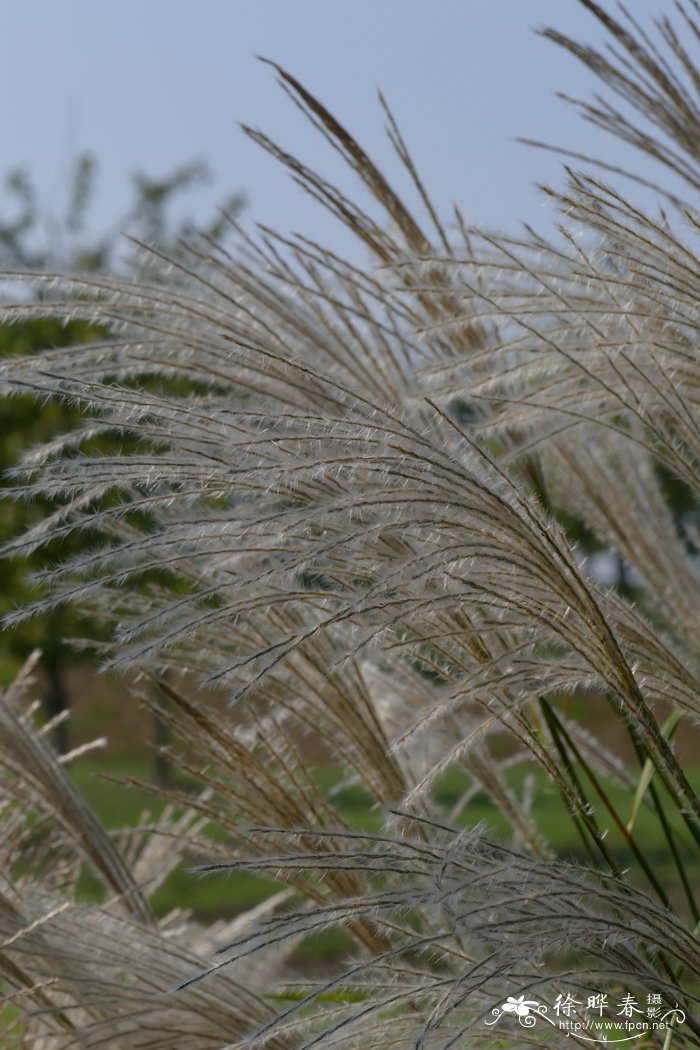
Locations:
{"points": [[120, 805]]}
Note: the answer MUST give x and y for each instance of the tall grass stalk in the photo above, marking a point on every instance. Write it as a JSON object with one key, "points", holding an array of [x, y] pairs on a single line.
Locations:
{"points": [[357, 498]]}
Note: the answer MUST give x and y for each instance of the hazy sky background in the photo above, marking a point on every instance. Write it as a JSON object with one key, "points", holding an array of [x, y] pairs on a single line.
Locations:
{"points": [[149, 84]]}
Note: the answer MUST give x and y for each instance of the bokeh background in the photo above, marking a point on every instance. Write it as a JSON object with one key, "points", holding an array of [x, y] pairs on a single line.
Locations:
{"points": [[149, 86]]}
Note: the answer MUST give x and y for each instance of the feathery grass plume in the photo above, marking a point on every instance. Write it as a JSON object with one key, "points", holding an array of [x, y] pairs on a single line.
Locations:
{"points": [[91, 975], [344, 497]]}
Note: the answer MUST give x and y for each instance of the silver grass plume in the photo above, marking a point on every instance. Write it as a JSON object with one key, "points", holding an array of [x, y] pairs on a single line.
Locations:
{"points": [[337, 491], [85, 975]]}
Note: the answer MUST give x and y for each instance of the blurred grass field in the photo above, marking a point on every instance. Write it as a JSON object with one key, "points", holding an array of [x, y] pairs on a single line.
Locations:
{"points": [[212, 897], [100, 704]]}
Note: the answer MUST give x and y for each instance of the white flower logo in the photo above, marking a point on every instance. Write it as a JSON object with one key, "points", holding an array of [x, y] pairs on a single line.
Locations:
{"points": [[520, 1006]]}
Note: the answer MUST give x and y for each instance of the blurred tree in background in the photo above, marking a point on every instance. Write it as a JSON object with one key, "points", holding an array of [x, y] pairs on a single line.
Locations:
{"points": [[31, 240]]}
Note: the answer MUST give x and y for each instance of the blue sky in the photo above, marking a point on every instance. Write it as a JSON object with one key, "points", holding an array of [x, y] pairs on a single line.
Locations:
{"points": [[149, 84]]}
